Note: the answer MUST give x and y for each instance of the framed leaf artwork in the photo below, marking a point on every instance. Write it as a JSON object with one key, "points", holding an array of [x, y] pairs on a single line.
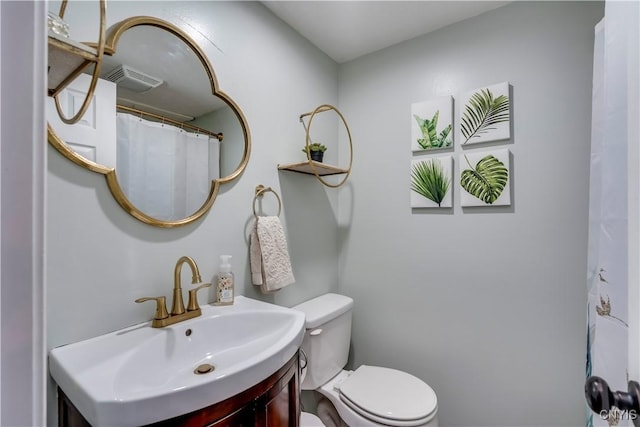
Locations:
{"points": [[432, 124], [486, 115], [431, 182], [485, 178]]}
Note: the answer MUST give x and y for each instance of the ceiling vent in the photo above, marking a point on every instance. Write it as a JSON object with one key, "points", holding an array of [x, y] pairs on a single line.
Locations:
{"points": [[128, 78]]}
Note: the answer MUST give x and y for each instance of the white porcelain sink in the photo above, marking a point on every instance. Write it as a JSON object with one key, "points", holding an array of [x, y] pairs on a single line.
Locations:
{"points": [[140, 375]]}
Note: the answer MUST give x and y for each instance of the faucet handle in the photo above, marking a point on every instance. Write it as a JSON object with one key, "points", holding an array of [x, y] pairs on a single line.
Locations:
{"points": [[161, 306], [193, 298]]}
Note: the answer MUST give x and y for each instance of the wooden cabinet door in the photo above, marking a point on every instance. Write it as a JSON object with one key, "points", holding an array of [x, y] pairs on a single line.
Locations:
{"points": [[280, 405], [241, 418]]}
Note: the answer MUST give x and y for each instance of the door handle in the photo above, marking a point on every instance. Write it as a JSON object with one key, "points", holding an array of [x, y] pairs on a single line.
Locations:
{"points": [[601, 399]]}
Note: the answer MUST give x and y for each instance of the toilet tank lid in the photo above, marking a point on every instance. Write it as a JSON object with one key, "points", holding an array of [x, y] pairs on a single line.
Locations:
{"points": [[324, 308]]}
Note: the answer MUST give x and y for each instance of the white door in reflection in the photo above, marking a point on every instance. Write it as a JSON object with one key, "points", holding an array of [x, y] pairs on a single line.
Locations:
{"points": [[93, 136]]}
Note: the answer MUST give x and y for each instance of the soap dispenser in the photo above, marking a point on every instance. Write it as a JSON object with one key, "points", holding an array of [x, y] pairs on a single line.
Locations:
{"points": [[224, 284]]}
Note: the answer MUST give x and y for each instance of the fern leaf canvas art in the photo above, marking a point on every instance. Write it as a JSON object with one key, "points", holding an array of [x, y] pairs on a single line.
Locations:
{"points": [[432, 124], [431, 182], [485, 178], [486, 115]]}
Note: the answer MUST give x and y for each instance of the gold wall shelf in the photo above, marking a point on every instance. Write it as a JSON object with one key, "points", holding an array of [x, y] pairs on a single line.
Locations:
{"points": [[67, 59], [311, 167], [306, 168]]}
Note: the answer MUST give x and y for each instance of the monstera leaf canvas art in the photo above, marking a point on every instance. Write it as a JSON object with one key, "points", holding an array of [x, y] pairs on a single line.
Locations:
{"points": [[485, 178], [431, 124], [485, 115], [431, 182]]}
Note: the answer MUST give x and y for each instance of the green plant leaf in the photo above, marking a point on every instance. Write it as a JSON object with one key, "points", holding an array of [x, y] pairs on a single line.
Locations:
{"points": [[428, 132], [430, 138], [487, 180], [482, 112], [444, 134], [434, 121], [429, 180], [315, 146]]}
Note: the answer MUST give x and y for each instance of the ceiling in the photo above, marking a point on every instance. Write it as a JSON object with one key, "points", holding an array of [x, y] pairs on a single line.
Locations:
{"points": [[346, 30]]}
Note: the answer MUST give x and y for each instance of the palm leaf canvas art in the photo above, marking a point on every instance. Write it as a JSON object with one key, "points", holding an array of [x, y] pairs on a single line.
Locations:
{"points": [[431, 124], [431, 182], [485, 115], [485, 178]]}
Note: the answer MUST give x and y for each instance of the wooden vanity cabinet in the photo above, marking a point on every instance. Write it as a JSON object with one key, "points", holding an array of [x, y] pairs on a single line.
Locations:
{"points": [[274, 402]]}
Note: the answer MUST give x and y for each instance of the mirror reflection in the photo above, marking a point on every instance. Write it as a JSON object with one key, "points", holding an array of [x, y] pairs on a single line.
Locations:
{"points": [[156, 122]]}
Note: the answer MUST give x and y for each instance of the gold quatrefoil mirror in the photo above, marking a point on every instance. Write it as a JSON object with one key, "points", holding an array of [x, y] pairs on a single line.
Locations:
{"points": [[159, 128]]}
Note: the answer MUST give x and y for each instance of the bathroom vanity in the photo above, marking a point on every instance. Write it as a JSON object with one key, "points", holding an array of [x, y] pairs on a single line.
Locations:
{"points": [[232, 366], [272, 402]]}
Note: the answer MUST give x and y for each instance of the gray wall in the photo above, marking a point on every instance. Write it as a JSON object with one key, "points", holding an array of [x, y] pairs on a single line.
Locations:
{"points": [[488, 304]]}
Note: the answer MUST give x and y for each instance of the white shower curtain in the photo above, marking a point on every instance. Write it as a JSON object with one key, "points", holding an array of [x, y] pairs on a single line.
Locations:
{"points": [[607, 353], [164, 171]]}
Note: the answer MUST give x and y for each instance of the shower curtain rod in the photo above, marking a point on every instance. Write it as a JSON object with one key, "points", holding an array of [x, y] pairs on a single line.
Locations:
{"points": [[218, 136]]}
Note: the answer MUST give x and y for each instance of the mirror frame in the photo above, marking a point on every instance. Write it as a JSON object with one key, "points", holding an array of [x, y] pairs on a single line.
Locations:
{"points": [[114, 34]]}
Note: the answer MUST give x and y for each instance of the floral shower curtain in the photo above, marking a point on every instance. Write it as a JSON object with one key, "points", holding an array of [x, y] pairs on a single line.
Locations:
{"points": [[607, 280]]}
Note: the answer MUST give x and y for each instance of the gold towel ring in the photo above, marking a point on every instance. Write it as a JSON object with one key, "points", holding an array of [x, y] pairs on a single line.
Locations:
{"points": [[260, 190]]}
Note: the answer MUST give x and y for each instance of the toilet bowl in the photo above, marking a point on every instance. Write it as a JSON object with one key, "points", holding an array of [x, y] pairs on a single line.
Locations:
{"points": [[367, 396], [310, 420], [328, 414]]}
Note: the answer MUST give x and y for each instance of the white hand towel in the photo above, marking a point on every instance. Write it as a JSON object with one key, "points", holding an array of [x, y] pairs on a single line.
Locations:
{"points": [[269, 256]]}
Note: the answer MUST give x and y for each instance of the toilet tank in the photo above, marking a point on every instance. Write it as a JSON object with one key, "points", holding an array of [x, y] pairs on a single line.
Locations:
{"points": [[327, 337]]}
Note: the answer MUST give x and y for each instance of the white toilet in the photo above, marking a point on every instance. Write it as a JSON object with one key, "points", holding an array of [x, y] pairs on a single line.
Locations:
{"points": [[368, 396]]}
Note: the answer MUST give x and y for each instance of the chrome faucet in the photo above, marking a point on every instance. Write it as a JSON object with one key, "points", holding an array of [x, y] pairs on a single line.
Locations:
{"points": [[178, 313]]}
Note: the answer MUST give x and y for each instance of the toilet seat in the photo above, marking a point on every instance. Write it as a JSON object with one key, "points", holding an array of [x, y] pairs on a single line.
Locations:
{"points": [[389, 396]]}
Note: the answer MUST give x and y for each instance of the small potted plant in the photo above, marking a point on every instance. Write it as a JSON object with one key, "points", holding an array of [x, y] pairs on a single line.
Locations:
{"points": [[316, 151]]}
